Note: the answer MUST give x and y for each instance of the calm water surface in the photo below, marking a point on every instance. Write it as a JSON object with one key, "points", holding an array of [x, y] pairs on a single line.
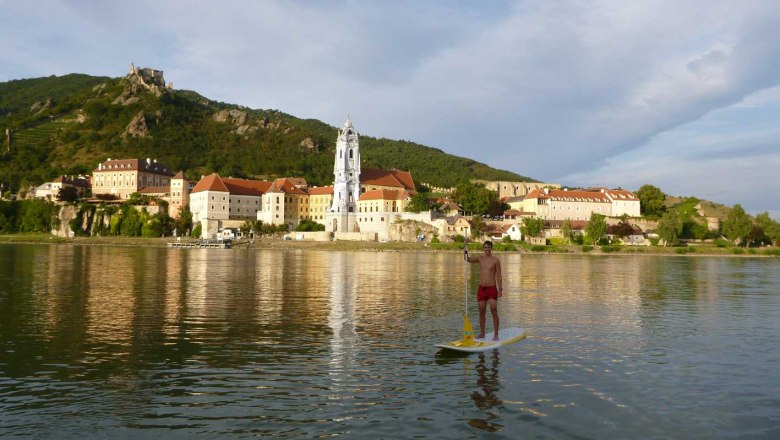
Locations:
{"points": [[113, 342]]}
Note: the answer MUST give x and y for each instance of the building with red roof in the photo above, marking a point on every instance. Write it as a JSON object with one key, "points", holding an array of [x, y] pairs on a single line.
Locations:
{"points": [[122, 177]]}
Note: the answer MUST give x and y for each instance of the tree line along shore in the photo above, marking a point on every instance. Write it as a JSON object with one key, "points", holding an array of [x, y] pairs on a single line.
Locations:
{"points": [[706, 248]]}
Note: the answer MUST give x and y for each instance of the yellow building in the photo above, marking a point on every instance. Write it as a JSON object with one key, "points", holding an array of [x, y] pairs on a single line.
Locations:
{"points": [[284, 202], [377, 209], [122, 177], [564, 204], [319, 202]]}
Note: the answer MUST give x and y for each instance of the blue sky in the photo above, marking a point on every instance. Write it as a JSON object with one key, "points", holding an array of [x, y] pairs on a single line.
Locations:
{"points": [[684, 95]]}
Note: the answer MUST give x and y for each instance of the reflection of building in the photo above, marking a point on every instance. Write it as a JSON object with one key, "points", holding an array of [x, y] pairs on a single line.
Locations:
{"points": [[342, 294]]}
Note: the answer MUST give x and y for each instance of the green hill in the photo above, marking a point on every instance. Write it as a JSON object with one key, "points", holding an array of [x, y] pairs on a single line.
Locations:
{"points": [[67, 124]]}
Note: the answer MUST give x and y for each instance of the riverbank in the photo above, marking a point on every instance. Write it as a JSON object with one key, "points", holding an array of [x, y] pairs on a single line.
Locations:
{"points": [[704, 249]]}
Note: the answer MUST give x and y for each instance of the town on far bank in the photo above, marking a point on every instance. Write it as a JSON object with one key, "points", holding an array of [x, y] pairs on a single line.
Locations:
{"points": [[143, 197]]}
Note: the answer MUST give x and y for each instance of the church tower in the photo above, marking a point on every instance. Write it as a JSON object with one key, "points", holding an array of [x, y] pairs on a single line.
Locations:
{"points": [[346, 181], [346, 170]]}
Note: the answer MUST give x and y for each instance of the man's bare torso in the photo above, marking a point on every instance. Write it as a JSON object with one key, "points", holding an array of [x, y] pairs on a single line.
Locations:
{"points": [[487, 270]]}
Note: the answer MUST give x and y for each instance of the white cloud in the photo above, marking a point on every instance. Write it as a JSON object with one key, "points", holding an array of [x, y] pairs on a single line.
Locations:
{"points": [[552, 90]]}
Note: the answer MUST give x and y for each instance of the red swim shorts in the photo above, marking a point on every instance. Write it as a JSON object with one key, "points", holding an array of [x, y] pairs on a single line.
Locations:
{"points": [[485, 293]]}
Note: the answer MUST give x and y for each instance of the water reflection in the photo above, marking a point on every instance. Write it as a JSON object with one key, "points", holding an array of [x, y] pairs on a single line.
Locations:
{"points": [[486, 398], [341, 312], [212, 343]]}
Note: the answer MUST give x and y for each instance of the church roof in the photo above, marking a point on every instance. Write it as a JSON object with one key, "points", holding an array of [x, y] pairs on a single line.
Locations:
{"points": [[154, 190], [246, 187], [148, 165], [320, 190], [211, 182], [286, 186], [396, 178], [384, 194]]}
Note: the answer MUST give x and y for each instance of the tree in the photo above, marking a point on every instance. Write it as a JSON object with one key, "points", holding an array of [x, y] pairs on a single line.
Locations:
{"points": [[38, 216], [567, 231], [737, 225], [596, 228], [419, 203], [532, 226], [771, 227], [475, 198], [68, 194], [183, 224], [622, 229], [309, 225], [651, 200], [478, 227], [669, 227]]}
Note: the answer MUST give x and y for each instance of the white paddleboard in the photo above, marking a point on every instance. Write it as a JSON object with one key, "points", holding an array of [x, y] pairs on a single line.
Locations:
{"points": [[505, 337]]}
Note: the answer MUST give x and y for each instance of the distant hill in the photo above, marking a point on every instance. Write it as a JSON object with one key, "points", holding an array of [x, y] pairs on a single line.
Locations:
{"points": [[67, 124]]}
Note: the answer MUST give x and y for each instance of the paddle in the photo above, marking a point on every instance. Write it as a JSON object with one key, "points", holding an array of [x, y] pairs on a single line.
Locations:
{"points": [[468, 331]]}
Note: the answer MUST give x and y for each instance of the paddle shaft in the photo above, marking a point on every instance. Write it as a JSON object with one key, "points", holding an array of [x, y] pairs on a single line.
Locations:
{"points": [[466, 278]]}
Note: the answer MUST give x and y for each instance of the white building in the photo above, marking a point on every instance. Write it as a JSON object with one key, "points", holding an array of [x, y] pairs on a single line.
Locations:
{"points": [[346, 185]]}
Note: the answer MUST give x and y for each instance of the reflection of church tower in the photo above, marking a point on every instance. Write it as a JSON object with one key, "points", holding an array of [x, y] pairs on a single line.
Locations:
{"points": [[346, 183]]}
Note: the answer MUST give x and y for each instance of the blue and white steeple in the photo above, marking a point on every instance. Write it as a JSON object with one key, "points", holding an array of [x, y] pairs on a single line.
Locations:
{"points": [[346, 170]]}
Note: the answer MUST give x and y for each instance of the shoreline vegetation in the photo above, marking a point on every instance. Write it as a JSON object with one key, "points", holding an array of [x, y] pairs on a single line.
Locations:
{"points": [[693, 249]]}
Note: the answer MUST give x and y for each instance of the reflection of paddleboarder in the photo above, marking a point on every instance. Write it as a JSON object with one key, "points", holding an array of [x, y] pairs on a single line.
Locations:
{"points": [[488, 381], [490, 286]]}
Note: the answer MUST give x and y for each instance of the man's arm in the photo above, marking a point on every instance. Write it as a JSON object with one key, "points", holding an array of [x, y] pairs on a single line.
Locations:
{"points": [[499, 281], [468, 258]]}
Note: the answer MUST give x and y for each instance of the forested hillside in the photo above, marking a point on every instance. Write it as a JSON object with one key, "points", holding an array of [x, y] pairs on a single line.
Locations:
{"points": [[67, 124]]}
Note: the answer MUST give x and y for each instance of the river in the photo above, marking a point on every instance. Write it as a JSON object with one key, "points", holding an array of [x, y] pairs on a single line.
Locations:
{"points": [[134, 342]]}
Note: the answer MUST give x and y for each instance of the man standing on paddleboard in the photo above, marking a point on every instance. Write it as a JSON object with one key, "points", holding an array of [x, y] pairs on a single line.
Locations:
{"points": [[490, 286]]}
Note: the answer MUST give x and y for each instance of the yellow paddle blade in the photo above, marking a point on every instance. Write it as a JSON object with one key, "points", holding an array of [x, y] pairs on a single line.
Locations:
{"points": [[468, 332]]}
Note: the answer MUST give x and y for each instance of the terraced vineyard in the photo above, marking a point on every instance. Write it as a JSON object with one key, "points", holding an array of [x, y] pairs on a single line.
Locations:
{"points": [[41, 133]]}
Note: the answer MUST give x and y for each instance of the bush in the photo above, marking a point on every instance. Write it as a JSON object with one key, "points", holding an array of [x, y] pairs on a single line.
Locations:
{"points": [[309, 225], [610, 248], [772, 251], [587, 248], [435, 239], [654, 241], [458, 238], [197, 230], [538, 248], [721, 243], [737, 251]]}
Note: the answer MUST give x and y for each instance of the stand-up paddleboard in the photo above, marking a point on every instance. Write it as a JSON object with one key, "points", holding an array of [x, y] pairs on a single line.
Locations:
{"points": [[505, 337]]}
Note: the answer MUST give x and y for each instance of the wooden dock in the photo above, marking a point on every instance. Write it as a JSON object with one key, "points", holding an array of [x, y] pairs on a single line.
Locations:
{"points": [[217, 244]]}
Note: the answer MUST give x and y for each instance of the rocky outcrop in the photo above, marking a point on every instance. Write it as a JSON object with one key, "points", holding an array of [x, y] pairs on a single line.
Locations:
{"points": [[41, 106], [137, 128], [67, 213], [309, 143], [142, 80], [408, 230], [235, 117]]}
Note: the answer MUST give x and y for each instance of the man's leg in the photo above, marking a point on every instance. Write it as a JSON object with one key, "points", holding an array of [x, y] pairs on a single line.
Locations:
{"points": [[494, 314], [482, 310]]}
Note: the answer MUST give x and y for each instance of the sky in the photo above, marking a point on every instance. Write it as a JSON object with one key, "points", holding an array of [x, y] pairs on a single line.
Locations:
{"points": [[680, 94]]}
